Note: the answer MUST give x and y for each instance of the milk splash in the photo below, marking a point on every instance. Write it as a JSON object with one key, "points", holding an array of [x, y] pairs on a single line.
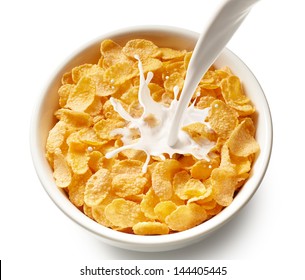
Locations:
{"points": [[154, 126]]}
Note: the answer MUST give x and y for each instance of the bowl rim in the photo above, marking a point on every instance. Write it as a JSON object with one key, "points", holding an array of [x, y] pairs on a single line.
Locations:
{"points": [[129, 241]]}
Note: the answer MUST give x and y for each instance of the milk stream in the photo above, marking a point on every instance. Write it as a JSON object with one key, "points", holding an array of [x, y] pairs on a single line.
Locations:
{"points": [[154, 125]]}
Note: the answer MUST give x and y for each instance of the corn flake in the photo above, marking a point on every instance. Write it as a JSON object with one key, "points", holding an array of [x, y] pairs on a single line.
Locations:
{"points": [[120, 73], [186, 217], [224, 183], [162, 178], [56, 136], [141, 47], [242, 142], [128, 184], [173, 80], [82, 96], [202, 169], [222, 118], [74, 119], [112, 53], [77, 187], [127, 166], [98, 211], [164, 208], [104, 127], [148, 204], [232, 91], [200, 132], [151, 64], [64, 93], [97, 187], [124, 213], [150, 228], [62, 173]]}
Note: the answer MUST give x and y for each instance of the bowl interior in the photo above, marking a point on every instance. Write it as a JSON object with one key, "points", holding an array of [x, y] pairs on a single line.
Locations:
{"points": [[43, 120]]}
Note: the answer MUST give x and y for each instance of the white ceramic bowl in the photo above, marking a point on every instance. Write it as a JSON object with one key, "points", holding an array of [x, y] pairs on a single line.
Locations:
{"points": [[164, 36]]}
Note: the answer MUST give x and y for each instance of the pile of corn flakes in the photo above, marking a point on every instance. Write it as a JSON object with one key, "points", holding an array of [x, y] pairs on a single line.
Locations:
{"points": [[175, 194]]}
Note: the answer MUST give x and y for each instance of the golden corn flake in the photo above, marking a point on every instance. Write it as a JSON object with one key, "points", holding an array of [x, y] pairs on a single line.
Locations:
{"points": [[200, 132], [242, 164], [95, 160], [142, 48], [104, 127], [179, 183], [150, 228], [133, 154], [226, 158], [98, 211], [169, 54], [224, 183], [173, 80], [78, 161], [239, 165], [127, 166], [119, 73], [64, 93], [151, 64], [234, 96], [130, 96], [214, 78], [203, 199], [82, 95], [112, 53], [156, 91], [202, 169], [56, 136], [205, 102], [124, 213], [242, 142], [187, 161], [95, 107], [109, 112], [194, 188], [77, 156], [175, 67], [175, 194], [73, 118], [90, 137], [77, 187], [128, 184], [97, 187], [186, 217], [162, 178], [148, 204], [104, 88], [214, 210], [232, 91], [85, 70], [88, 211], [164, 208], [62, 173], [67, 78], [222, 118]]}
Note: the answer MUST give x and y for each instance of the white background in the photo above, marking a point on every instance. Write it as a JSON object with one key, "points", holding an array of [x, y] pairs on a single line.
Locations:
{"points": [[36, 36]]}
